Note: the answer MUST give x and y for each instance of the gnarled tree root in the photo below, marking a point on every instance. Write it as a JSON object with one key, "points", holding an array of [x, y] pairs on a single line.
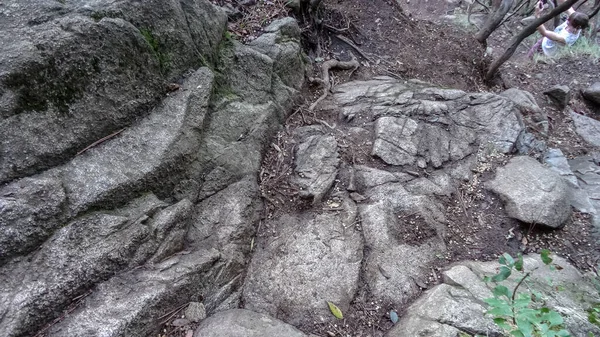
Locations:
{"points": [[325, 81]]}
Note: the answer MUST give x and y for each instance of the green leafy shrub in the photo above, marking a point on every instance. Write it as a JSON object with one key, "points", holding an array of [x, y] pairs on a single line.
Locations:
{"points": [[521, 313]]}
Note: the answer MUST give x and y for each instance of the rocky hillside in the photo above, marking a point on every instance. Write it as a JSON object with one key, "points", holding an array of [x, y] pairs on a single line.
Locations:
{"points": [[153, 172]]}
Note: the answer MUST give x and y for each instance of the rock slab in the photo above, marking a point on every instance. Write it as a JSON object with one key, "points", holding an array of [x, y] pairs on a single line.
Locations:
{"points": [[588, 128], [316, 163], [559, 94], [592, 93], [314, 258], [241, 322], [532, 193]]}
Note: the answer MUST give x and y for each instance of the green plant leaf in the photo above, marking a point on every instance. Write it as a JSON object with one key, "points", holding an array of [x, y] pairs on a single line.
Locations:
{"points": [[545, 255], [502, 275], [502, 260], [562, 333], [335, 310], [509, 259], [500, 311], [516, 333], [522, 301], [501, 290], [554, 318], [501, 322], [519, 263], [525, 326]]}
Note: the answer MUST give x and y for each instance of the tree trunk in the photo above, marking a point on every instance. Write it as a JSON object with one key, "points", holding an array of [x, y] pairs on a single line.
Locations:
{"points": [[493, 20], [595, 22], [523, 34]]}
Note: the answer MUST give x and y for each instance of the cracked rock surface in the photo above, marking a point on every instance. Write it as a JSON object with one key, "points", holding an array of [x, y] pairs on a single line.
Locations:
{"points": [[160, 210]]}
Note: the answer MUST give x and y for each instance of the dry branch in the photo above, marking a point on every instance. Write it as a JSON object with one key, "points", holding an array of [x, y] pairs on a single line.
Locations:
{"points": [[351, 44], [101, 140], [493, 21], [325, 67]]}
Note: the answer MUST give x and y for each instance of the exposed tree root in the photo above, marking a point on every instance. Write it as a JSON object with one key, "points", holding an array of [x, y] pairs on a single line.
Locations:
{"points": [[325, 81]]}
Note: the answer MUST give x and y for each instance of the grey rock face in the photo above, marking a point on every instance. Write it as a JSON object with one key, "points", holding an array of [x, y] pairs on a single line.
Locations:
{"points": [[394, 140], [436, 126], [30, 211], [592, 93], [588, 128], [587, 171], [195, 312], [417, 127], [457, 304], [157, 149], [281, 43], [73, 73], [162, 213], [225, 221], [528, 106], [532, 193], [151, 155], [315, 258], [127, 305], [527, 144], [240, 322], [557, 162], [399, 252], [73, 260], [560, 94], [522, 99], [316, 164]]}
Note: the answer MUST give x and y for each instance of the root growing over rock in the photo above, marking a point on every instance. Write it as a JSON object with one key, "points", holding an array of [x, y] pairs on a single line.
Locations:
{"points": [[325, 81]]}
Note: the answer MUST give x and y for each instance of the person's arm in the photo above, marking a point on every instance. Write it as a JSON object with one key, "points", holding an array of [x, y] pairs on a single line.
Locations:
{"points": [[542, 29], [551, 35], [568, 11]]}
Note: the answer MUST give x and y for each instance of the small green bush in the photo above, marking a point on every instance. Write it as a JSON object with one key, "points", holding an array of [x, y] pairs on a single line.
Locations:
{"points": [[521, 313]]}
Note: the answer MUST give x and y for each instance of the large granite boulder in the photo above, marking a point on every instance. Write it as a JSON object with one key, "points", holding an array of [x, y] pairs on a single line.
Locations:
{"points": [[532, 193], [587, 170], [417, 124], [560, 95], [149, 156]]}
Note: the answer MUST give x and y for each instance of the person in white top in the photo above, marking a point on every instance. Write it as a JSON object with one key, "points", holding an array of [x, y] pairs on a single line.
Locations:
{"points": [[564, 35]]}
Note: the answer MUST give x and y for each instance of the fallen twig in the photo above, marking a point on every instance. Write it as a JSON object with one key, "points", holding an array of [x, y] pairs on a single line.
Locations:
{"points": [[351, 44], [325, 67], [335, 29], [172, 313], [74, 305], [99, 141]]}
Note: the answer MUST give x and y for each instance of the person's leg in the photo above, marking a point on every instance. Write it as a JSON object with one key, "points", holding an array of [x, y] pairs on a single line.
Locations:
{"points": [[535, 49]]}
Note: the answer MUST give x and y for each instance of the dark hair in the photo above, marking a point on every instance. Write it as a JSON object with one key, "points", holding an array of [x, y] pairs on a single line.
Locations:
{"points": [[579, 20]]}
